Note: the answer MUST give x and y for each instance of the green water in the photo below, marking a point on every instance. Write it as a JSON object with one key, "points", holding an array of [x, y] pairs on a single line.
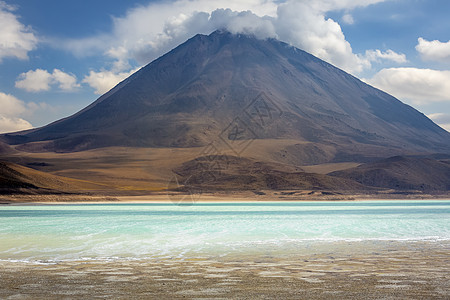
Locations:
{"points": [[106, 231]]}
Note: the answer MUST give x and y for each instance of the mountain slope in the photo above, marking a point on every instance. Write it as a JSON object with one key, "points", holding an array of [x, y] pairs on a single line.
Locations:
{"points": [[402, 173], [233, 173], [5, 149], [15, 178], [209, 86]]}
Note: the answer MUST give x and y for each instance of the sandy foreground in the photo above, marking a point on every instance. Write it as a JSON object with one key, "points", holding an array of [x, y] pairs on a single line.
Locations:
{"points": [[389, 271]]}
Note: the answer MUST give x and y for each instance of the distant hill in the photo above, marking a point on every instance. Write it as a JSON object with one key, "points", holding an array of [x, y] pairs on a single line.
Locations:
{"points": [[265, 89], [5, 149], [232, 173], [15, 178], [402, 173]]}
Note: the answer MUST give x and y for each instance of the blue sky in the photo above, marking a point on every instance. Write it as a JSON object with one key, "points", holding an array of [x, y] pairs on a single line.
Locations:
{"points": [[56, 57]]}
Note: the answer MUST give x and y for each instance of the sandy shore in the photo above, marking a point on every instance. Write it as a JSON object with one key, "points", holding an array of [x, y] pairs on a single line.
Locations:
{"points": [[418, 271], [180, 198]]}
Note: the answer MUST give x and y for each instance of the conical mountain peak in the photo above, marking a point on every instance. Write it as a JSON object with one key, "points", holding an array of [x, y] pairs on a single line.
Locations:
{"points": [[192, 95]]}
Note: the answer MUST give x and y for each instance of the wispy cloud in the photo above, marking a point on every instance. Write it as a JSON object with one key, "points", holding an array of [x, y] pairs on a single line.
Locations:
{"points": [[348, 19]]}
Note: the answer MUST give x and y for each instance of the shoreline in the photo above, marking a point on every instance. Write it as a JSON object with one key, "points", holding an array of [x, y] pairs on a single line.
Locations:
{"points": [[199, 202], [187, 199], [219, 201]]}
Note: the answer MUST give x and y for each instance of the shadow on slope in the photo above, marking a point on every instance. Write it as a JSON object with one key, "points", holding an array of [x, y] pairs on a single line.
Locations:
{"points": [[17, 179], [223, 172], [402, 173]]}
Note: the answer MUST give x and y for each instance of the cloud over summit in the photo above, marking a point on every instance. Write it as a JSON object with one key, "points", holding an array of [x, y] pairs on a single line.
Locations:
{"points": [[146, 32]]}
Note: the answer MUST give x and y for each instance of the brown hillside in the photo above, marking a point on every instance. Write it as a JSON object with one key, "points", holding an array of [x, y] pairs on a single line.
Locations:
{"points": [[234, 173], [15, 178], [402, 173]]}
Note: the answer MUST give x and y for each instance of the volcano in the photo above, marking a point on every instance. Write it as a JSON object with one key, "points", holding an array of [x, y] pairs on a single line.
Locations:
{"points": [[226, 91]]}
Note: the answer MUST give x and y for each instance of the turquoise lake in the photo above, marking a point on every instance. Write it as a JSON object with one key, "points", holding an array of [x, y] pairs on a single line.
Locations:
{"points": [[136, 231]]}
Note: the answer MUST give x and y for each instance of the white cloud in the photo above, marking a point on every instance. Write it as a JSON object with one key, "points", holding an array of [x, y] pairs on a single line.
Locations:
{"points": [[434, 50], [418, 86], [244, 22], [146, 32], [309, 29], [442, 119], [41, 80], [66, 82], [376, 55], [105, 80], [120, 55], [12, 109], [13, 124], [34, 81], [10, 105], [16, 39]]}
